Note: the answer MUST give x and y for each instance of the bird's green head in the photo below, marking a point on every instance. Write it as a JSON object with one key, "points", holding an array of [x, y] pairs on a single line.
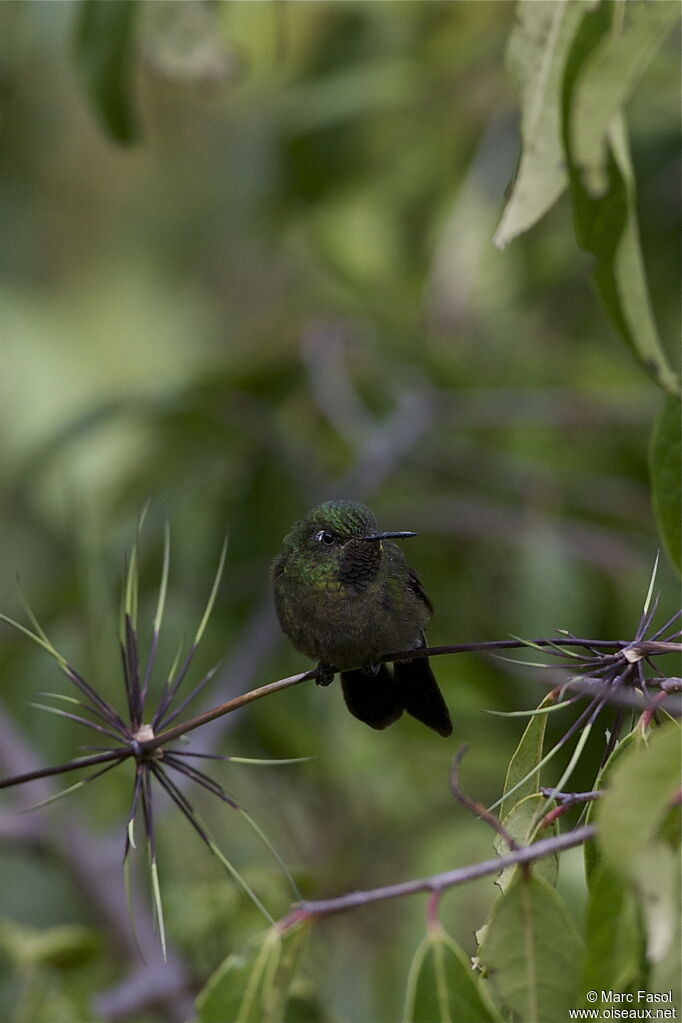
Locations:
{"points": [[335, 539]]}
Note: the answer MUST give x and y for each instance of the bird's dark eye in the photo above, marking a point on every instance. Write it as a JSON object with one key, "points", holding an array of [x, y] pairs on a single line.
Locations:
{"points": [[324, 536]]}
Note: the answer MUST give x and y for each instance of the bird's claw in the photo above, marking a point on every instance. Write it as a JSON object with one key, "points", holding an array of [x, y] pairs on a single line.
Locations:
{"points": [[325, 675], [371, 669]]}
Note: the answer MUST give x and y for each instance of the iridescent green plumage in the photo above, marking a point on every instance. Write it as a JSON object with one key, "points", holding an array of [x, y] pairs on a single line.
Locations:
{"points": [[345, 595]]}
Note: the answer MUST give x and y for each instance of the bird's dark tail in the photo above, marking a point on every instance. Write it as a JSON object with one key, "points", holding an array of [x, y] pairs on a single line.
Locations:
{"points": [[372, 697], [379, 699], [419, 694]]}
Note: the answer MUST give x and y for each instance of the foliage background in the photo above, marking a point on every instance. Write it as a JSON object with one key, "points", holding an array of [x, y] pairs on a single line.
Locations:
{"points": [[286, 289]]}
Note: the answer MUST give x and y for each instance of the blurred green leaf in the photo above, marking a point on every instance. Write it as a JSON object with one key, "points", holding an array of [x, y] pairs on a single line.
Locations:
{"points": [[613, 955], [665, 467], [531, 952], [664, 973], [45, 999], [639, 832], [355, 92], [654, 879], [536, 55], [223, 998], [591, 850], [252, 986], [442, 986], [104, 43], [606, 224], [639, 792], [63, 948], [607, 79]]}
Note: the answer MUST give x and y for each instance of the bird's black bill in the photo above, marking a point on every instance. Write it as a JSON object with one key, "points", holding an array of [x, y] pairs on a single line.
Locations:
{"points": [[399, 535]]}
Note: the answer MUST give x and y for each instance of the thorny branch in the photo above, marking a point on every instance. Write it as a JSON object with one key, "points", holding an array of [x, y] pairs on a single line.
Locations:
{"points": [[622, 653], [436, 651]]}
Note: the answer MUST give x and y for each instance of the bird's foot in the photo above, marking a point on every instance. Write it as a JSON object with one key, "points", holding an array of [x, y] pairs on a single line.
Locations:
{"points": [[325, 675]]}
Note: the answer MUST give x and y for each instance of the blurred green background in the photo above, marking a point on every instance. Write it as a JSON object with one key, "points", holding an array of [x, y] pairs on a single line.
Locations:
{"points": [[286, 290]]}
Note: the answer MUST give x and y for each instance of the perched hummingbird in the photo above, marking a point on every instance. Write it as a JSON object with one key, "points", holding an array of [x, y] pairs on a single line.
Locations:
{"points": [[345, 595]]}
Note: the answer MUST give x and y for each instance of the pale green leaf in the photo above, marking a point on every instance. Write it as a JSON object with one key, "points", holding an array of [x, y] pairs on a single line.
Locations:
{"points": [[521, 823], [639, 791], [606, 225], [537, 52], [608, 78], [226, 998], [64, 947], [442, 986], [665, 973], [626, 280], [654, 880], [252, 986], [531, 952]]}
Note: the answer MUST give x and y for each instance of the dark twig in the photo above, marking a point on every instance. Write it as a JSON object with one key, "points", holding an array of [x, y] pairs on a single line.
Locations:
{"points": [[566, 800], [569, 798], [477, 808], [73, 765]]}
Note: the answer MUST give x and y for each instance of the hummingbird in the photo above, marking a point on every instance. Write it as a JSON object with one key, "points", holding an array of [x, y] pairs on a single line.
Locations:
{"points": [[345, 595]]}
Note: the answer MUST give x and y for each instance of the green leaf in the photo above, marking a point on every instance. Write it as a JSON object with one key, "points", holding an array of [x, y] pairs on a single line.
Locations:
{"points": [[608, 78], [522, 824], [654, 875], [442, 986], [104, 42], [526, 757], [221, 1000], [45, 998], [536, 56], [64, 947], [252, 986], [639, 834], [639, 792], [606, 224], [665, 974], [665, 467], [532, 952], [613, 957], [591, 849]]}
